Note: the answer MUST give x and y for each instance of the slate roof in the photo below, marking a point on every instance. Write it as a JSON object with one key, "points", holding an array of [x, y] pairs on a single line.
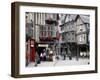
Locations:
{"points": [[73, 16], [85, 18]]}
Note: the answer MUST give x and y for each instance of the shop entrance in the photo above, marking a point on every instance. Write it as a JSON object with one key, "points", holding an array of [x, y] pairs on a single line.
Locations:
{"points": [[41, 47], [40, 50]]}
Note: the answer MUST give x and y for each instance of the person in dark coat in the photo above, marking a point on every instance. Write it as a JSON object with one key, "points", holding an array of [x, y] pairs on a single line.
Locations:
{"points": [[69, 54], [64, 55]]}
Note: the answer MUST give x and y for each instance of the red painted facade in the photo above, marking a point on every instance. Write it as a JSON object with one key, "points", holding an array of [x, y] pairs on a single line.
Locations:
{"points": [[32, 50]]}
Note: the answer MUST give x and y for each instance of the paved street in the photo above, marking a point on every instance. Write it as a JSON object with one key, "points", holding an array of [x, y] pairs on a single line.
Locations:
{"points": [[60, 62]]}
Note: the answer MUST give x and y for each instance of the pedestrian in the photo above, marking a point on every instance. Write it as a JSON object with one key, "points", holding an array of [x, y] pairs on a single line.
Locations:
{"points": [[69, 55], [37, 59], [41, 56], [51, 55], [44, 55], [64, 55]]}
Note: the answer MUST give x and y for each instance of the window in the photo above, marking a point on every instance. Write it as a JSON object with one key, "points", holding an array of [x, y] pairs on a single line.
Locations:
{"points": [[48, 33], [72, 33], [41, 33], [68, 39], [44, 33], [68, 34], [81, 29], [52, 33], [41, 28], [72, 38], [84, 37]]}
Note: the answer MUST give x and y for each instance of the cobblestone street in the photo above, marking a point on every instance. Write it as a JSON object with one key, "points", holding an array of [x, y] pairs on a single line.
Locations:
{"points": [[67, 62]]}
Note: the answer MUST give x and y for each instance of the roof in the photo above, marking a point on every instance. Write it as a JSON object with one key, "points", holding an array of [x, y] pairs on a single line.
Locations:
{"points": [[73, 17], [85, 18]]}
